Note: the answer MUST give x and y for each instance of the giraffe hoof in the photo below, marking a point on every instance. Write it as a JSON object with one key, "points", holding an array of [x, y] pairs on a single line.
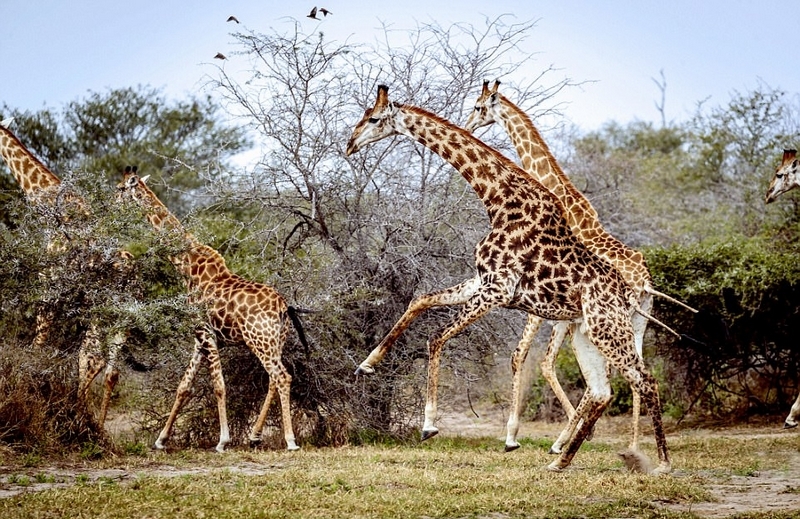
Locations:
{"points": [[663, 468], [364, 370], [554, 450], [255, 442], [429, 433], [555, 467], [788, 425], [512, 447]]}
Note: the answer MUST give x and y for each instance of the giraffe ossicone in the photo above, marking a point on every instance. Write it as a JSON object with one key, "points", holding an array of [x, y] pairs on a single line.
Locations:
{"points": [[531, 261], [238, 311]]}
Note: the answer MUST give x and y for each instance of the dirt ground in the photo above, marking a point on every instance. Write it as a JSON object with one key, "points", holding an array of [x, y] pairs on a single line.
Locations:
{"points": [[766, 491]]}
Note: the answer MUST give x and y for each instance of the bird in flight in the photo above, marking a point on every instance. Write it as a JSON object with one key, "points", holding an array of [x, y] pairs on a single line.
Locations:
{"points": [[233, 19], [220, 56], [313, 13]]}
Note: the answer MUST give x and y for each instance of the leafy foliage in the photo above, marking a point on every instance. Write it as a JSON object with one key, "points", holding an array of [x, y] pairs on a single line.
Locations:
{"points": [[738, 354]]}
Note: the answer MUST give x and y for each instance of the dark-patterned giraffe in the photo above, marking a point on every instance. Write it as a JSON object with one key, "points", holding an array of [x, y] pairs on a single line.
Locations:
{"points": [[530, 260], [786, 178], [536, 158], [42, 186], [239, 311]]}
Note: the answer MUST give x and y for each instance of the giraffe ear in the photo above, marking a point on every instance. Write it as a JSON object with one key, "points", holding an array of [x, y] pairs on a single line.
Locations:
{"points": [[144, 179], [6, 123]]}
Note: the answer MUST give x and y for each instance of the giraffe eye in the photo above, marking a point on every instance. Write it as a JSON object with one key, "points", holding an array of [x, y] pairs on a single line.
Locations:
{"points": [[373, 120]]}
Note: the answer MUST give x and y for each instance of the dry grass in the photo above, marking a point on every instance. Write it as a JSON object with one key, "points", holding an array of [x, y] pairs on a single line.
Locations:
{"points": [[448, 477]]}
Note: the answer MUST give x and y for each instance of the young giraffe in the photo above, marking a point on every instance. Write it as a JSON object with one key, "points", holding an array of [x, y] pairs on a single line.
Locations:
{"points": [[42, 187], [582, 218], [238, 311], [786, 178], [530, 260]]}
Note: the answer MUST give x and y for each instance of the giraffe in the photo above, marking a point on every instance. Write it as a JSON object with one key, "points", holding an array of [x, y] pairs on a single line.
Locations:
{"points": [[536, 158], [785, 179], [43, 188], [238, 310], [531, 261]]}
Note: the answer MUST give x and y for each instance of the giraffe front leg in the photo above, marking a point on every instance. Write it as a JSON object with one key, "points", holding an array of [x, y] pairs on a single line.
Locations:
{"points": [[548, 364], [455, 295], [181, 396], [90, 363], [218, 381], [475, 308], [111, 375], [517, 362]]}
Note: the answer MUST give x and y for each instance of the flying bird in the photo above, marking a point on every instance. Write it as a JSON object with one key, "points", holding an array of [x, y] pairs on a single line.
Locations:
{"points": [[324, 11], [220, 56], [233, 19], [313, 14]]}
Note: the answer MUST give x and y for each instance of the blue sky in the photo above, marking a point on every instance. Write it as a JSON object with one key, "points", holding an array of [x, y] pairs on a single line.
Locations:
{"points": [[56, 51]]}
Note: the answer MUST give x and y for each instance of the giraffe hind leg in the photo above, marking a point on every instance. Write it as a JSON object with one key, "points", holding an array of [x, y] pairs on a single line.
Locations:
{"points": [[594, 401], [794, 415]]}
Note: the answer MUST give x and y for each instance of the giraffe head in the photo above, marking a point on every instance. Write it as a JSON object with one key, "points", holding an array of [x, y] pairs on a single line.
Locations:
{"points": [[133, 188], [785, 178], [487, 108], [378, 122]]}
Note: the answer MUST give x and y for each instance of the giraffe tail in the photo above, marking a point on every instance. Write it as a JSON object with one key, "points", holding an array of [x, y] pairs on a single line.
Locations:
{"points": [[649, 317], [298, 325], [654, 292]]}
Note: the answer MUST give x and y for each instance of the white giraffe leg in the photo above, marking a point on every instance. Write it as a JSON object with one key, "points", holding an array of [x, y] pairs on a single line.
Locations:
{"points": [[592, 364], [639, 323], [594, 401], [794, 415]]}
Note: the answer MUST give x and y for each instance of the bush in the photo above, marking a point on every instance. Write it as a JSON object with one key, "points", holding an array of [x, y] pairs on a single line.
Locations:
{"points": [[737, 356]]}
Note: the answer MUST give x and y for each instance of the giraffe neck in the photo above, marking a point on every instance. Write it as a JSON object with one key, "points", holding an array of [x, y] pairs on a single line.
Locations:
{"points": [[581, 216], [493, 176], [32, 176], [537, 159], [201, 265]]}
